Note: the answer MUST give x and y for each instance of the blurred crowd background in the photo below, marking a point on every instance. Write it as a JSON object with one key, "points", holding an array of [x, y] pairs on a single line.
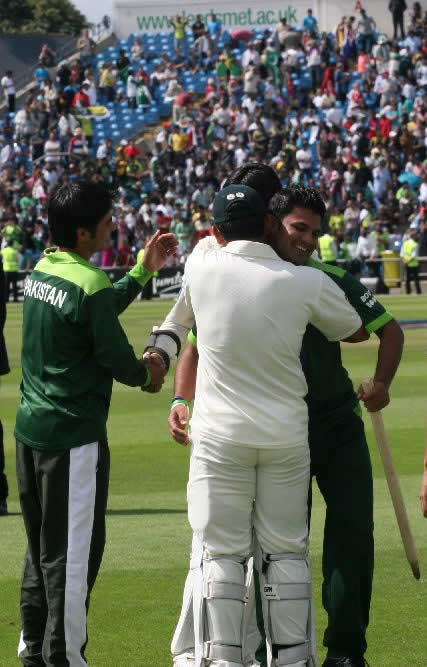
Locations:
{"points": [[344, 111]]}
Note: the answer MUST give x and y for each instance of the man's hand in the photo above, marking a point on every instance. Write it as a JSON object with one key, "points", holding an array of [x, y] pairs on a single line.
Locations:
{"points": [[158, 249], [177, 423], [375, 399], [423, 494], [156, 366]]}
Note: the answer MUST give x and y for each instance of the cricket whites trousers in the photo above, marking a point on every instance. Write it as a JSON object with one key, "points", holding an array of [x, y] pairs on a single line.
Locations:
{"points": [[341, 463], [63, 495], [234, 492]]}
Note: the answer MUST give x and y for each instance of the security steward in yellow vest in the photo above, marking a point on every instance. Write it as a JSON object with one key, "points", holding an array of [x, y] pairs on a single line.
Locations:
{"points": [[10, 258], [328, 249], [409, 254]]}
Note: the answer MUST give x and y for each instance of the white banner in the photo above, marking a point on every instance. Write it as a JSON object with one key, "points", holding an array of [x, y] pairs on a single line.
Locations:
{"points": [[133, 16]]}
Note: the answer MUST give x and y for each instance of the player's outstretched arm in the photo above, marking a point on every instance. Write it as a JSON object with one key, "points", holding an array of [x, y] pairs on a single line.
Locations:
{"points": [[184, 390], [157, 250], [389, 355]]}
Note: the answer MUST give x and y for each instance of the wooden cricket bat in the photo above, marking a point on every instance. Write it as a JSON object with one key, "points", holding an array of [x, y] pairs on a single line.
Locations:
{"points": [[394, 486]]}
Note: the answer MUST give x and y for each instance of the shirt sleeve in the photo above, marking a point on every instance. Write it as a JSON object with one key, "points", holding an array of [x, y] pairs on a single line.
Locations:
{"points": [[372, 313], [181, 318], [111, 347], [331, 312], [127, 288]]}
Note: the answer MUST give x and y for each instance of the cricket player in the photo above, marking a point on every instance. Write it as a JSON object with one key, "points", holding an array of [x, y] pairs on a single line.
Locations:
{"points": [[249, 427], [73, 348], [340, 457]]}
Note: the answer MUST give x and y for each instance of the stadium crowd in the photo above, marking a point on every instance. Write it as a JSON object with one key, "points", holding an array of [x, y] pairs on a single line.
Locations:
{"points": [[344, 111]]}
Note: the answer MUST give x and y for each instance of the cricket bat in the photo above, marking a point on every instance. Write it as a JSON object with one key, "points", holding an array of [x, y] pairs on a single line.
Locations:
{"points": [[394, 486]]}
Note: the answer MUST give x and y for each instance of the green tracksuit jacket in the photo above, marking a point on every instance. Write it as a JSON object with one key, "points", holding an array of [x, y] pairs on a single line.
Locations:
{"points": [[73, 347]]}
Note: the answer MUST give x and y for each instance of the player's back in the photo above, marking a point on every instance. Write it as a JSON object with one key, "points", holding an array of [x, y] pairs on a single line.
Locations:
{"points": [[62, 382], [251, 310]]}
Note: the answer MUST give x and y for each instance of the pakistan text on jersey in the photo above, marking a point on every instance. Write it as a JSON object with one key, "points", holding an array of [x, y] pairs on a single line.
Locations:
{"points": [[44, 292]]}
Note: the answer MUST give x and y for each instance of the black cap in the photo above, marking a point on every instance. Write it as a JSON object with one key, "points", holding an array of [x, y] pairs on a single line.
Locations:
{"points": [[235, 202]]}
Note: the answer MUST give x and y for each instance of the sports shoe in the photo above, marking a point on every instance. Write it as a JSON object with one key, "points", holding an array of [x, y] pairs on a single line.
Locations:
{"points": [[3, 508], [345, 662]]}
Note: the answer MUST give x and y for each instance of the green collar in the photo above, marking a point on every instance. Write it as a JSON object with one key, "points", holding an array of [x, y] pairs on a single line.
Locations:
{"points": [[65, 256]]}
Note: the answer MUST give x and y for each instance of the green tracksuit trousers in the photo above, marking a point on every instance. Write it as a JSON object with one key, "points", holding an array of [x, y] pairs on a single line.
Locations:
{"points": [[63, 495], [342, 466]]}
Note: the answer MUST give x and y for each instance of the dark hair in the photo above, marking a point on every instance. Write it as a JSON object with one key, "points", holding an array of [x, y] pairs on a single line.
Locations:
{"points": [[266, 182], [75, 205], [288, 198]]}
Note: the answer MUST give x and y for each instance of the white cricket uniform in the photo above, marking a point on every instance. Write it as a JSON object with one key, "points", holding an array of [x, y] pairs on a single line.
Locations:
{"points": [[251, 310], [249, 427]]}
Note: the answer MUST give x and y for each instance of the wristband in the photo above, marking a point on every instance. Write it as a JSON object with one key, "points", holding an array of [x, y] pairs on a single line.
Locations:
{"points": [[148, 380], [179, 400]]}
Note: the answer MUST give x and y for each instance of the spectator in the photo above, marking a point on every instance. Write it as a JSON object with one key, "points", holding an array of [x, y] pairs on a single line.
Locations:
{"points": [[179, 23], [8, 85], [131, 88], [86, 48], [198, 27], [409, 254], [214, 30], [24, 124], [77, 146], [10, 259], [91, 91], [81, 99], [52, 149], [366, 32], [107, 82], [47, 56], [137, 51], [314, 65], [310, 22], [304, 159], [131, 151], [397, 9]]}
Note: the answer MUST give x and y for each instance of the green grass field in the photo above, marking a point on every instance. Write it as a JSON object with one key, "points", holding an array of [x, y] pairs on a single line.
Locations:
{"points": [[137, 597]]}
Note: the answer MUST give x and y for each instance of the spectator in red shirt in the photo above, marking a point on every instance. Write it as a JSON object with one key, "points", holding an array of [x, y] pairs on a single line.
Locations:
{"points": [[131, 151], [124, 256], [163, 221], [81, 99], [385, 127]]}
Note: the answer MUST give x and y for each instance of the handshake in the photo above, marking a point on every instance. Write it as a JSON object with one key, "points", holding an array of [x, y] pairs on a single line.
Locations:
{"points": [[154, 361]]}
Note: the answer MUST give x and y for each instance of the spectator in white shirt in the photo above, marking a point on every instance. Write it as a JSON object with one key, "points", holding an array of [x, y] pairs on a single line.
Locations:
{"points": [[304, 158], [131, 89], [421, 73], [91, 90], [250, 56], [50, 175], [52, 148], [314, 65], [8, 86], [423, 191], [24, 124], [366, 247]]}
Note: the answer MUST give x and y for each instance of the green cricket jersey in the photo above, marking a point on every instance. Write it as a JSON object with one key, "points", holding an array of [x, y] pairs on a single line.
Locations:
{"points": [[330, 394], [73, 347], [330, 390]]}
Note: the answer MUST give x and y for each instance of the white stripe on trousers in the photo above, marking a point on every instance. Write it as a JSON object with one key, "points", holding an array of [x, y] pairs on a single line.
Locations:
{"points": [[81, 508]]}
